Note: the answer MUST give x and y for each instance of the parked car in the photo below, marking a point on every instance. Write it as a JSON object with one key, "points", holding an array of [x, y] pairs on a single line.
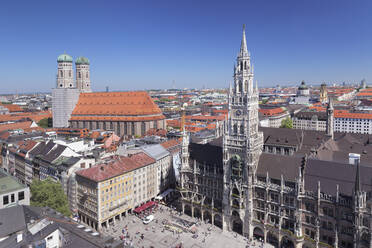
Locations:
{"points": [[148, 219]]}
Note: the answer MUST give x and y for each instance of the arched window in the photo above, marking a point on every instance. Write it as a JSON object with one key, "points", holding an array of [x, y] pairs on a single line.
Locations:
{"points": [[79, 74], [87, 75], [235, 129], [235, 191], [241, 129], [61, 73], [235, 203], [246, 86], [245, 65], [241, 65], [69, 73], [241, 86]]}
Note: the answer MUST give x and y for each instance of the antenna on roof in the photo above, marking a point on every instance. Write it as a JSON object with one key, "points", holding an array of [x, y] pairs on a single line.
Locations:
{"points": [[107, 89]]}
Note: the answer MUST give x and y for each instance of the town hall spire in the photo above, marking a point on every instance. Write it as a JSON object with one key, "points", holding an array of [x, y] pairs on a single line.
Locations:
{"points": [[243, 46]]}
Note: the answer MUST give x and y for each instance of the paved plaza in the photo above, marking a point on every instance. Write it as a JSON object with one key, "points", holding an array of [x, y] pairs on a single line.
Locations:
{"points": [[155, 234]]}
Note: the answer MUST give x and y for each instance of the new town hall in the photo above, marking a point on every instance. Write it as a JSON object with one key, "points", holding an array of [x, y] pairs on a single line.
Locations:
{"points": [[288, 187]]}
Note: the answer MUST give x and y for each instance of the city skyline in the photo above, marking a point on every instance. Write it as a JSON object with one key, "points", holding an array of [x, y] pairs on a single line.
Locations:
{"points": [[147, 45]]}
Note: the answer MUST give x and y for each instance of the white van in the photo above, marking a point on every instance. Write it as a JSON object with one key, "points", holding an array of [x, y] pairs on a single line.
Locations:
{"points": [[148, 219]]}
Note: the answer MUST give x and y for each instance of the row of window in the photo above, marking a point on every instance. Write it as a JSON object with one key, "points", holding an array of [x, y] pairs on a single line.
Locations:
{"points": [[11, 199], [70, 74]]}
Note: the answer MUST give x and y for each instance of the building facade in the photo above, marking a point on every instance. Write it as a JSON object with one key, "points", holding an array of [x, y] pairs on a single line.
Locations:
{"points": [[125, 113], [66, 93], [12, 192], [83, 74], [343, 121], [288, 187], [109, 191]]}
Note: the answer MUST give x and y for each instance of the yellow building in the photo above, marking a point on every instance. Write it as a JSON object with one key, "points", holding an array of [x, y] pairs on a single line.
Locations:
{"points": [[105, 192]]}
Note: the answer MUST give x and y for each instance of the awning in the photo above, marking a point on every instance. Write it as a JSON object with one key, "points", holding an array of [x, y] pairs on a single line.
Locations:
{"points": [[144, 207]]}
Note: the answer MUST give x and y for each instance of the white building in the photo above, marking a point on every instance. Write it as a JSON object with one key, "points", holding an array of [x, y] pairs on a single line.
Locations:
{"points": [[12, 192]]}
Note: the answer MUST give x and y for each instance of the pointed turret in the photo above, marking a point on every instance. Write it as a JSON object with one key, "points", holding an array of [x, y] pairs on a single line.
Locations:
{"points": [[330, 119], [243, 46]]}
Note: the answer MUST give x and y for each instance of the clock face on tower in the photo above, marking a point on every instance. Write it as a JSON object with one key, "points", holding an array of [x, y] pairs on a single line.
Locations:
{"points": [[238, 112]]}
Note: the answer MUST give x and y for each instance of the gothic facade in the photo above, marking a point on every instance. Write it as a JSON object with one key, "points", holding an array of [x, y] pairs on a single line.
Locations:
{"points": [[288, 187]]}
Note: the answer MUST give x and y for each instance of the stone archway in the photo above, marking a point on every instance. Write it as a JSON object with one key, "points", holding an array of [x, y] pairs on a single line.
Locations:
{"points": [[188, 210], [272, 239], [365, 239], [235, 191], [237, 225], [218, 220], [235, 214], [286, 243], [258, 234], [197, 213], [207, 216]]}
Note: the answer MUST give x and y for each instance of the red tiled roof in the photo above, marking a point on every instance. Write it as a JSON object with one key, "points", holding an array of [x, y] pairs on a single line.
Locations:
{"points": [[170, 143], [318, 108], [18, 125], [206, 117], [4, 135], [12, 107], [271, 112], [27, 145], [36, 117], [116, 105], [344, 114], [117, 167], [365, 93]]}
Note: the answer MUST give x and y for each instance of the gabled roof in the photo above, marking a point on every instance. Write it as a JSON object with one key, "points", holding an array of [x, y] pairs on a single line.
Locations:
{"points": [[116, 106], [210, 153], [12, 107], [332, 173], [17, 125], [278, 165], [118, 166], [155, 151], [27, 145], [11, 220], [170, 143]]}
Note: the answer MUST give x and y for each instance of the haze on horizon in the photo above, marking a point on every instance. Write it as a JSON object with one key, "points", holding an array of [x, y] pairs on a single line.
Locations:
{"points": [[148, 44]]}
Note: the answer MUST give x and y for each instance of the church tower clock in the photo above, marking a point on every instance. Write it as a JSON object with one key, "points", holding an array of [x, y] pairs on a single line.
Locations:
{"points": [[242, 146]]}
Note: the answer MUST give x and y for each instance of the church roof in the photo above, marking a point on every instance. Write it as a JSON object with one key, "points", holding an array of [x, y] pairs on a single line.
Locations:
{"points": [[64, 58], [82, 61], [116, 106], [303, 86]]}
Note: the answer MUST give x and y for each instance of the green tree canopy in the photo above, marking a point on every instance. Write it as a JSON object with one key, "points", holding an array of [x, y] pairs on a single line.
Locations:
{"points": [[47, 193], [287, 123], [45, 123]]}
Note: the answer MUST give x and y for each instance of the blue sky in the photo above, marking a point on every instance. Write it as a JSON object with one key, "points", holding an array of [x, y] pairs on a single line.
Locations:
{"points": [[148, 44]]}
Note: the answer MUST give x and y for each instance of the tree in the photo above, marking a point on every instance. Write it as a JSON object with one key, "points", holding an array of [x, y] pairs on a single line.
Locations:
{"points": [[287, 123], [45, 123], [47, 193]]}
